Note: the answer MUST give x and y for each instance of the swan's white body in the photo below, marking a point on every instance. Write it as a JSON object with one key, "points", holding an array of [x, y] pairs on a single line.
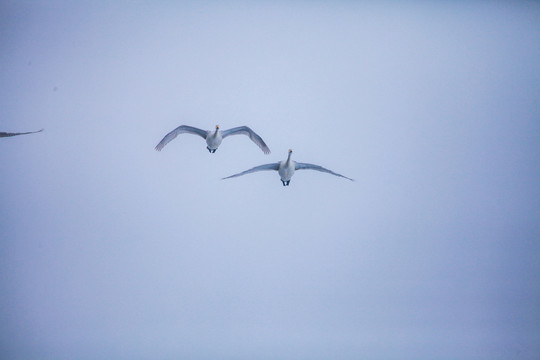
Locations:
{"points": [[214, 138], [286, 169]]}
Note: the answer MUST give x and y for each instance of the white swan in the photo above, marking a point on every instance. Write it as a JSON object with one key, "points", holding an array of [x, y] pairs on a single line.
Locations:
{"points": [[286, 169], [214, 138], [6, 134]]}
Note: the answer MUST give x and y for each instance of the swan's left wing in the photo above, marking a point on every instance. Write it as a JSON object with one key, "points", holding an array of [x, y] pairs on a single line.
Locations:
{"points": [[244, 130], [274, 166], [302, 166], [6, 134]]}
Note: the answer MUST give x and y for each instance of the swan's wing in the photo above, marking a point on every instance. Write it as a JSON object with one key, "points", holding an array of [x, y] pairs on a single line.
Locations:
{"points": [[244, 130], [274, 166], [6, 134], [179, 130], [302, 166]]}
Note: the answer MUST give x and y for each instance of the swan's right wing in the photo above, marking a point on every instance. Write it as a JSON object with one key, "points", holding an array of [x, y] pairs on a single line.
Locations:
{"points": [[274, 166], [6, 134], [179, 130]]}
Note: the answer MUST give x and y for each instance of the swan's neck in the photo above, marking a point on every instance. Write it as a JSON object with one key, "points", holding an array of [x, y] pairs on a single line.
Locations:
{"points": [[214, 134], [288, 159]]}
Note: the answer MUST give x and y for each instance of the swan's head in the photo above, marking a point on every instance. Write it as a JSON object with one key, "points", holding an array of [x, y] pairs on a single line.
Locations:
{"points": [[217, 127], [290, 151]]}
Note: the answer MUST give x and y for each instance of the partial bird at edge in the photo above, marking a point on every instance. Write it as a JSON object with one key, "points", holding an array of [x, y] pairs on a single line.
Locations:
{"points": [[6, 134]]}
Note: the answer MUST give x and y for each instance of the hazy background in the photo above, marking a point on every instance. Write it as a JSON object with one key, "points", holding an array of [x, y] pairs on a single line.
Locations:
{"points": [[111, 250]]}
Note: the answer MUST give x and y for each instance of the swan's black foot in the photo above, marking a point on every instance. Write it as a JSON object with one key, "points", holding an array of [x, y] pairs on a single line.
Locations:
{"points": [[211, 151], [286, 183]]}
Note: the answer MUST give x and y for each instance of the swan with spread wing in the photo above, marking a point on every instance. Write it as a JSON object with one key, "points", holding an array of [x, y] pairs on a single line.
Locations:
{"points": [[286, 169], [214, 138]]}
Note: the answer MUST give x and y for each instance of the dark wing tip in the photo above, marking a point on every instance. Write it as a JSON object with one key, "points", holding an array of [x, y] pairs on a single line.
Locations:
{"points": [[345, 177]]}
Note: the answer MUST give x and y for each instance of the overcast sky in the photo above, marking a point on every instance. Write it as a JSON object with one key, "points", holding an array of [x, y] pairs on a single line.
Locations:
{"points": [[111, 250]]}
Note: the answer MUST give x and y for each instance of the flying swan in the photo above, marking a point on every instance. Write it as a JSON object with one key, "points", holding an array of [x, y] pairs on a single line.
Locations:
{"points": [[214, 138], [286, 169], [6, 134]]}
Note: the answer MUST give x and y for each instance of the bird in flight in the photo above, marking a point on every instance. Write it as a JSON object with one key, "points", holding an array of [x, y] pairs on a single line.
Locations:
{"points": [[286, 169], [6, 134], [214, 138]]}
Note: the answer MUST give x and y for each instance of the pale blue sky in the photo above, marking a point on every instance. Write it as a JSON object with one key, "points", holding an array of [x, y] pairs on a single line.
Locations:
{"points": [[112, 250]]}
